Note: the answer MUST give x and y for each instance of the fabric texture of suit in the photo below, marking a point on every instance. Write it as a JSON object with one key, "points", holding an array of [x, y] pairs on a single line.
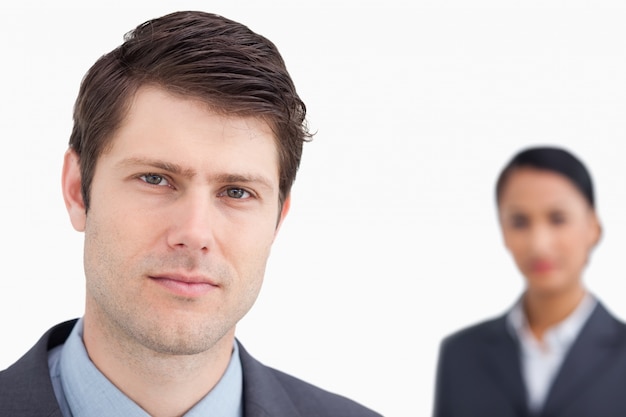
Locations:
{"points": [[26, 389], [479, 373]]}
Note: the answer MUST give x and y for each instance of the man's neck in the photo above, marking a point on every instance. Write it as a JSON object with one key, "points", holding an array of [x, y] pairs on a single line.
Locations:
{"points": [[164, 385]]}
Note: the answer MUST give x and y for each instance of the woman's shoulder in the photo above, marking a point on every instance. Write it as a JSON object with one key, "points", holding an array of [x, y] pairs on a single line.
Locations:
{"points": [[603, 322], [483, 331]]}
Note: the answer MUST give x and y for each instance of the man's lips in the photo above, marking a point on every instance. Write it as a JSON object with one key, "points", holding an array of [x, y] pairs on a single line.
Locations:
{"points": [[185, 285]]}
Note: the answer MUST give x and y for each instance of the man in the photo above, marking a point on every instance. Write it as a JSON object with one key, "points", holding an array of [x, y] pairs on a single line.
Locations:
{"points": [[186, 142]]}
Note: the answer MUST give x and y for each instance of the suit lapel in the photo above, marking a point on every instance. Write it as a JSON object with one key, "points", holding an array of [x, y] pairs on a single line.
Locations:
{"points": [[27, 382], [504, 365], [590, 355], [263, 395]]}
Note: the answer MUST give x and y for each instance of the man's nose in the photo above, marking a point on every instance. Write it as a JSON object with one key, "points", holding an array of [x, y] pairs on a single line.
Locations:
{"points": [[192, 221]]}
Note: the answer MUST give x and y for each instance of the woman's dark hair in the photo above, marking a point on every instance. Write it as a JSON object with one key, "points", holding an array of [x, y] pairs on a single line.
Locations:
{"points": [[551, 159]]}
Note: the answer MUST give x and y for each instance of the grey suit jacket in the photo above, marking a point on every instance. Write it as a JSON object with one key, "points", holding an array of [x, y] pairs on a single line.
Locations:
{"points": [[479, 373], [26, 389]]}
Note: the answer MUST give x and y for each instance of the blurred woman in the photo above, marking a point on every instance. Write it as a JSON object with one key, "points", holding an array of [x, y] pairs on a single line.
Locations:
{"points": [[557, 351]]}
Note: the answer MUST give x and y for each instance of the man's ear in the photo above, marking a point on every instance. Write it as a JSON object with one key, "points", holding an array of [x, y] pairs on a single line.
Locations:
{"points": [[71, 184], [283, 213]]}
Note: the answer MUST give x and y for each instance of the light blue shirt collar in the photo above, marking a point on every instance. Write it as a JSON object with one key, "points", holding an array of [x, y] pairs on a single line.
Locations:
{"points": [[83, 391]]}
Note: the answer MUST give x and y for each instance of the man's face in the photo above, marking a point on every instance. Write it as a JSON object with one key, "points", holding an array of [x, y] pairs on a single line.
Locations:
{"points": [[182, 217]]}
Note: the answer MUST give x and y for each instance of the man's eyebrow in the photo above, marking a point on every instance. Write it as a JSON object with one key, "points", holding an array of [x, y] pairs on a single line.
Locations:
{"points": [[190, 173], [243, 179], [158, 164]]}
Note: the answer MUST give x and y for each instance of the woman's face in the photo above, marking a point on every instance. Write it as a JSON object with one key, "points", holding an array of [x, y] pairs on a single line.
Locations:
{"points": [[549, 228]]}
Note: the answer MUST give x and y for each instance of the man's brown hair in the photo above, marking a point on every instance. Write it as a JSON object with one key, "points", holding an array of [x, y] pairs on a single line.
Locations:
{"points": [[194, 54]]}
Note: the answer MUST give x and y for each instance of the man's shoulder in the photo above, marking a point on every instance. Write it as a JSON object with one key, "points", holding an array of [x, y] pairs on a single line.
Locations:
{"points": [[25, 386], [273, 392], [311, 396], [36, 359]]}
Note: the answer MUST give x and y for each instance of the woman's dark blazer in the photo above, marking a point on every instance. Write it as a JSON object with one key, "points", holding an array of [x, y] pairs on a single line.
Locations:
{"points": [[479, 373]]}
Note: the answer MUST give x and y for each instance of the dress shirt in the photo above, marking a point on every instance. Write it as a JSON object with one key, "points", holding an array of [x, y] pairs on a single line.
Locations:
{"points": [[83, 391], [541, 361]]}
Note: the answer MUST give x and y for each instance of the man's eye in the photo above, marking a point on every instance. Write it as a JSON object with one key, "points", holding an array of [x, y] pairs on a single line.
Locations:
{"points": [[237, 193], [154, 179]]}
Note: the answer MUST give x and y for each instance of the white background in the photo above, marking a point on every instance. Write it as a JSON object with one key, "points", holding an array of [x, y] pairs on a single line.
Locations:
{"points": [[392, 240]]}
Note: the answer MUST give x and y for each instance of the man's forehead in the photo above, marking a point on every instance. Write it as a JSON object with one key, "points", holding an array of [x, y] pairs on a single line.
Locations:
{"points": [[231, 124]]}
